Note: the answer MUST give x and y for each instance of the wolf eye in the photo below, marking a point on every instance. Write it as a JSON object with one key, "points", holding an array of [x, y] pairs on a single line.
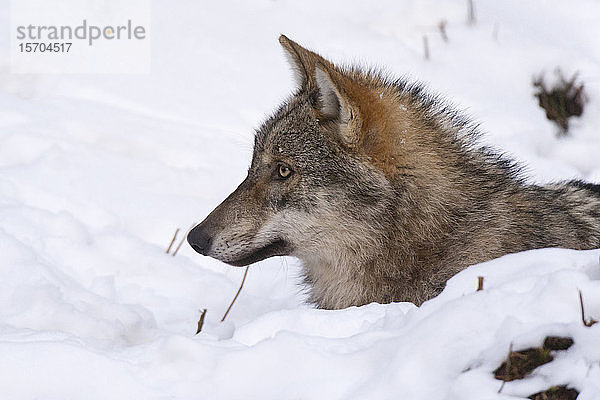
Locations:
{"points": [[284, 171]]}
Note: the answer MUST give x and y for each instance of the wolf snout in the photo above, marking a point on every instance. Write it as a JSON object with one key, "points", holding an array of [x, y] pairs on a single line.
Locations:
{"points": [[200, 240]]}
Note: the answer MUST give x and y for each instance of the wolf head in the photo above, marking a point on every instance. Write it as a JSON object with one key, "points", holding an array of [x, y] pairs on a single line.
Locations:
{"points": [[320, 185]]}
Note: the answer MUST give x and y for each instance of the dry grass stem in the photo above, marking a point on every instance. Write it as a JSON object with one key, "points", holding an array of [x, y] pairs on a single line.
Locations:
{"points": [[471, 13], [510, 348], [236, 295], [183, 240], [442, 28], [172, 241], [479, 283], [201, 321], [589, 322]]}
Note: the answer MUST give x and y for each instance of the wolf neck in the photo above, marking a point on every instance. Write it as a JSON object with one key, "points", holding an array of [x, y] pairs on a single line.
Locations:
{"points": [[415, 245], [392, 265]]}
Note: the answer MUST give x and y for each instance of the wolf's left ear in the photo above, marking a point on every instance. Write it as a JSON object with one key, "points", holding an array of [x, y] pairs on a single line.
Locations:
{"points": [[335, 105], [314, 72]]}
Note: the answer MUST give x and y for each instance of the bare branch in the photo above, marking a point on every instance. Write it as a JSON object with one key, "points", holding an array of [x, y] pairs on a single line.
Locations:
{"points": [[201, 321], [442, 28], [183, 239], [172, 241], [479, 283], [510, 349], [589, 322], [471, 13], [236, 295]]}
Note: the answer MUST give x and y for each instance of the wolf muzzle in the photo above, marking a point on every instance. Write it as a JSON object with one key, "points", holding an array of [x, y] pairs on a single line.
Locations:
{"points": [[230, 232]]}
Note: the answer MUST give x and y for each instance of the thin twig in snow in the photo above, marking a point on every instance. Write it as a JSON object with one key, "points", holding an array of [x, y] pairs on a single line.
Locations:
{"points": [[442, 27], [510, 349], [172, 241], [236, 295], [183, 239], [201, 321], [589, 322], [479, 283], [470, 13]]}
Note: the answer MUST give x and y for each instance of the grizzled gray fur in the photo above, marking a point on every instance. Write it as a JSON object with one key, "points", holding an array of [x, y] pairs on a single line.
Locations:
{"points": [[382, 192]]}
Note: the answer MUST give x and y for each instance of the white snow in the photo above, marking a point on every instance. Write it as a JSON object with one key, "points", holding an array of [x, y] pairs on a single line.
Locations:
{"points": [[97, 172]]}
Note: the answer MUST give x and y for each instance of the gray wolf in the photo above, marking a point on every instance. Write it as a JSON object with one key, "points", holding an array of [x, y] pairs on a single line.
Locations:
{"points": [[383, 193]]}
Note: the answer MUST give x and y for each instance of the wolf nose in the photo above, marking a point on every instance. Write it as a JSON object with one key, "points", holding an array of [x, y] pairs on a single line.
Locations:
{"points": [[200, 240]]}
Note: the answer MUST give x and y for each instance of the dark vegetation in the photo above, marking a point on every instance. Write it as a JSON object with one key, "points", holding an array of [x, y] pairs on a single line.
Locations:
{"points": [[564, 100], [556, 393], [521, 363]]}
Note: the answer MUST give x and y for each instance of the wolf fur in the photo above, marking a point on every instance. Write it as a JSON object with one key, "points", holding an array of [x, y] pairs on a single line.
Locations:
{"points": [[383, 193]]}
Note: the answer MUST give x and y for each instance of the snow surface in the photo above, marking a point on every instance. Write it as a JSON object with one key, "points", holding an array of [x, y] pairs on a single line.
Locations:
{"points": [[97, 171]]}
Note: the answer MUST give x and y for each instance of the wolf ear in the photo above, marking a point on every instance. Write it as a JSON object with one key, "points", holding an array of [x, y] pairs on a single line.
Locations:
{"points": [[314, 72], [335, 105], [303, 61]]}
